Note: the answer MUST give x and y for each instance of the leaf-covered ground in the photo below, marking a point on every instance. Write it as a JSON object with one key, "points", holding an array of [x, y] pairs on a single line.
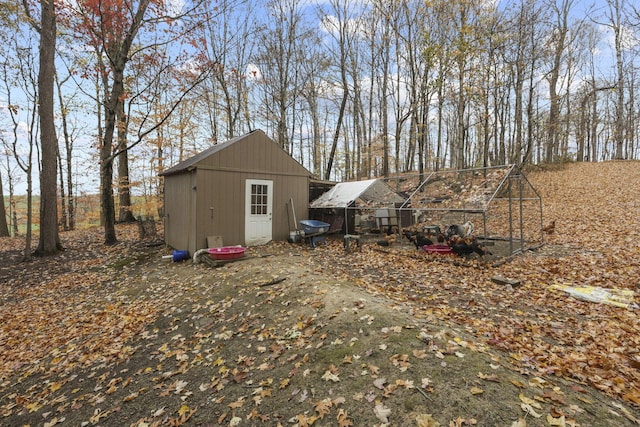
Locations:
{"points": [[118, 336]]}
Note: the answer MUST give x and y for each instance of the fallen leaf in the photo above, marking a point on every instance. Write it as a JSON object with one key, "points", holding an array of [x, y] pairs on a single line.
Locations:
{"points": [[493, 377], [426, 420], [529, 401], [382, 412], [53, 422], [556, 421], [180, 386], [555, 397], [419, 354], [379, 383], [343, 418], [529, 410], [476, 390], [323, 407], [237, 404], [330, 376]]}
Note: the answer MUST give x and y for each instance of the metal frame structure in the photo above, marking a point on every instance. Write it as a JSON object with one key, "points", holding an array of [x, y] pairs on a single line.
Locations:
{"points": [[504, 206]]}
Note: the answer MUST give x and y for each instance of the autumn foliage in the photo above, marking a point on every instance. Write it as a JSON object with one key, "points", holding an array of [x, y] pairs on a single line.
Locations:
{"points": [[299, 336]]}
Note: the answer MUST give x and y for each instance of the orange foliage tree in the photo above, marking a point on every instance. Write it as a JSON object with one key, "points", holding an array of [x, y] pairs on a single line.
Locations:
{"points": [[121, 32]]}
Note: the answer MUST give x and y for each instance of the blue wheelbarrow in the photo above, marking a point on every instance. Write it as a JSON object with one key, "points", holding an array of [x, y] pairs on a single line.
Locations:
{"points": [[314, 230]]}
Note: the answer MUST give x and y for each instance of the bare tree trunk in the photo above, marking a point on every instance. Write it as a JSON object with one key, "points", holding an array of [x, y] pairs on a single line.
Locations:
{"points": [[29, 231], [106, 198], [107, 202], [49, 242], [336, 135], [311, 95], [619, 114], [360, 124], [64, 219], [421, 141], [66, 197], [357, 132], [124, 183], [159, 187], [518, 71], [124, 189], [631, 119], [593, 133], [486, 133], [71, 201], [458, 161], [383, 94], [528, 150], [342, 40], [4, 227], [439, 148], [13, 212], [581, 130], [559, 45]]}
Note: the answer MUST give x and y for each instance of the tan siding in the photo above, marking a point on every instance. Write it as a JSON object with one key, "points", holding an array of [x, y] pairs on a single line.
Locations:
{"points": [[225, 192], [178, 204], [286, 188], [255, 154]]}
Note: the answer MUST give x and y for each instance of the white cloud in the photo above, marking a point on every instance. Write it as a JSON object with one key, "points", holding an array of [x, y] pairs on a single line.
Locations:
{"points": [[253, 73], [628, 38], [174, 7]]}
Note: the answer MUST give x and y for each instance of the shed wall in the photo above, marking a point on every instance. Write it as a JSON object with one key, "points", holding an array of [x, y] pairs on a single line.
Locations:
{"points": [[221, 204], [179, 204]]}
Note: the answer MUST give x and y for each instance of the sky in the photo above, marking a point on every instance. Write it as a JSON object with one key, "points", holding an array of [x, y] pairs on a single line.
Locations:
{"points": [[87, 163]]}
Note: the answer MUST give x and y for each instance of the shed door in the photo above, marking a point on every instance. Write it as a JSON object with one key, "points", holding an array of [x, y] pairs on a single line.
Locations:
{"points": [[258, 217]]}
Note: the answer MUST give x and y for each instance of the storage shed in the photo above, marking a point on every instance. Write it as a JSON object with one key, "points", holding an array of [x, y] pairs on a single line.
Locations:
{"points": [[241, 190]]}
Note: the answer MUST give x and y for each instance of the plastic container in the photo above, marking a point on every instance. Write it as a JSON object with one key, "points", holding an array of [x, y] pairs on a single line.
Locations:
{"points": [[227, 252], [180, 255], [437, 249], [311, 226]]}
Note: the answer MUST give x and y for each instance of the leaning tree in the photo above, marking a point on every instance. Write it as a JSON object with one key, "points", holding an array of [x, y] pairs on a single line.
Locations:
{"points": [[123, 32]]}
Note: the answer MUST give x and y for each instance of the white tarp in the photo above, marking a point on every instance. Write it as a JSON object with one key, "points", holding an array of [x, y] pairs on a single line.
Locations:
{"points": [[619, 297], [345, 194]]}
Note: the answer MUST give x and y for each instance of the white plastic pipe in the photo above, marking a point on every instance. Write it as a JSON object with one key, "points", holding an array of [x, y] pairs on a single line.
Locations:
{"points": [[196, 255]]}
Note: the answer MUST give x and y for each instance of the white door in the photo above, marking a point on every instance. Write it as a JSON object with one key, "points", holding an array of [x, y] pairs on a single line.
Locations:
{"points": [[258, 217]]}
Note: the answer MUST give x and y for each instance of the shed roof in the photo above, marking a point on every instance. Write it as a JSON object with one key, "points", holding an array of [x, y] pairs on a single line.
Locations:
{"points": [[195, 161], [368, 192]]}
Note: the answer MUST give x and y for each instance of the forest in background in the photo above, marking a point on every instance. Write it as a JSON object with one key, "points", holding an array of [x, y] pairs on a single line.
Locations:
{"points": [[351, 89]]}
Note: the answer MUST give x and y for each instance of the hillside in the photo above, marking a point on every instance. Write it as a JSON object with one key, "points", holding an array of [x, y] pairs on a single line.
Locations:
{"points": [[291, 336]]}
